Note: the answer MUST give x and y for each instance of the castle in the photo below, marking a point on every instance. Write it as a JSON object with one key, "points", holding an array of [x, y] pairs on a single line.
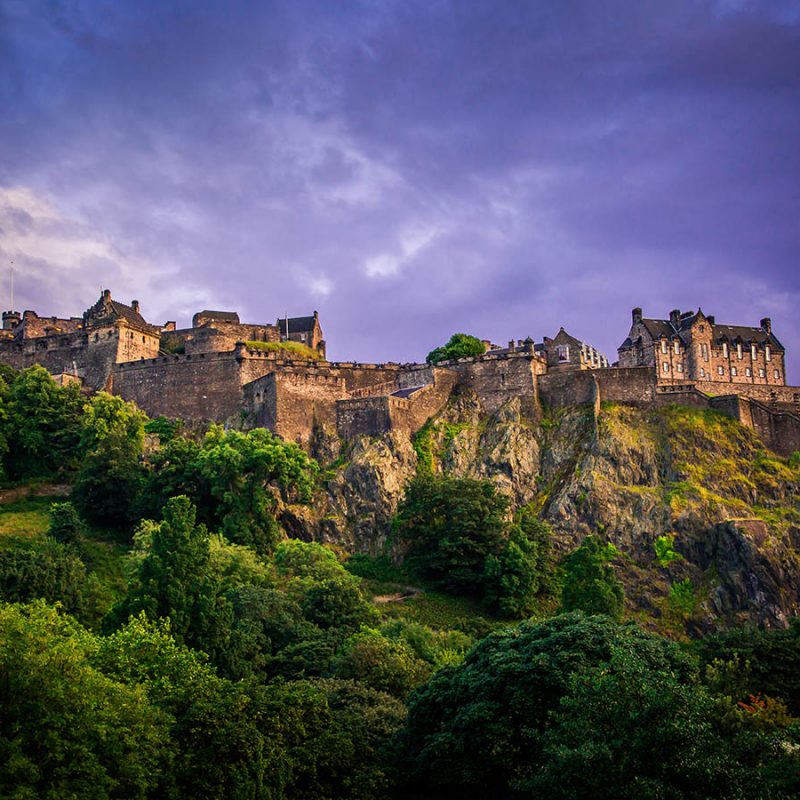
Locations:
{"points": [[277, 375]]}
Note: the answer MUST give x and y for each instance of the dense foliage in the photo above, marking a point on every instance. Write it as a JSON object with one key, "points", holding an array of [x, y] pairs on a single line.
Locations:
{"points": [[459, 537], [161, 638], [589, 581], [460, 345]]}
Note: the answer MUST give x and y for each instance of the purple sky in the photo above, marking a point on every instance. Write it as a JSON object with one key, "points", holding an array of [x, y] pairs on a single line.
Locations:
{"points": [[408, 168]]}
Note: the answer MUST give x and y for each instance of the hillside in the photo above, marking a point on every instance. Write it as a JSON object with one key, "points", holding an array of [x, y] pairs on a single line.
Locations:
{"points": [[706, 520]]}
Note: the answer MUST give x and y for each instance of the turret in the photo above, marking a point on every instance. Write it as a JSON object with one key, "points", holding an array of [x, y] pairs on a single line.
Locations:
{"points": [[10, 320]]}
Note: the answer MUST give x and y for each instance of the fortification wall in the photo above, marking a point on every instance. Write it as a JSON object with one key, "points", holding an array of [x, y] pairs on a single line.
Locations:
{"points": [[372, 416], [496, 378], [629, 385], [290, 404], [559, 389], [196, 388], [781, 395]]}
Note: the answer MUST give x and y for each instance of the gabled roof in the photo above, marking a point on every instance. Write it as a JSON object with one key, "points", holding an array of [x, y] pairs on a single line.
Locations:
{"points": [[127, 313], [746, 333], [297, 324]]}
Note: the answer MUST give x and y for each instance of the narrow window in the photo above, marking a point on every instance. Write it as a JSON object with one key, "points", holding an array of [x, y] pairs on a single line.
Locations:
{"points": [[702, 372], [677, 346], [748, 372], [724, 349], [666, 367], [664, 346], [720, 370], [739, 350], [767, 353], [777, 375], [753, 354], [761, 372], [734, 372], [680, 367]]}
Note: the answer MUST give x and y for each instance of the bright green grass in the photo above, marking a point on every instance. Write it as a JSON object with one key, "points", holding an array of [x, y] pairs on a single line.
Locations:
{"points": [[26, 519], [295, 348]]}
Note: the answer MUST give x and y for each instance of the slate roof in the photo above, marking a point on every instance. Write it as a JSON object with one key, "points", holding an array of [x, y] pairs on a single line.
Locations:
{"points": [[128, 314], [297, 324], [664, 327], [223, 316]]}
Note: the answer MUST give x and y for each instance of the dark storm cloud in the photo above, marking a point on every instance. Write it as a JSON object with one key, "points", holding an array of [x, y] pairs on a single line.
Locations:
{"points": [[408, 168]]}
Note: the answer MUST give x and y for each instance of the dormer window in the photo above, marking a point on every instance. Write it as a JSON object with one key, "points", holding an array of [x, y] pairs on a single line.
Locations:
{"points": [[562, 352], [739, 350], [664, 346], [677, 346], [753, 353], [724, 349]]}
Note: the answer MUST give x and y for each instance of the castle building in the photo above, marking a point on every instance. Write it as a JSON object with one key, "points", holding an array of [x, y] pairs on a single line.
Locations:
{"points": [[691, 346], [239, 374]]}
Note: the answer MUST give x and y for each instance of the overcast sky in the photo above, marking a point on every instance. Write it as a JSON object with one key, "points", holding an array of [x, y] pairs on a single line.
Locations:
{"points": [[410, 169]]}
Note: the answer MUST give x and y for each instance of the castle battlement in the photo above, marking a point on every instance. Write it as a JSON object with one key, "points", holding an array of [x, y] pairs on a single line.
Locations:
{"points": [[220, 370]]}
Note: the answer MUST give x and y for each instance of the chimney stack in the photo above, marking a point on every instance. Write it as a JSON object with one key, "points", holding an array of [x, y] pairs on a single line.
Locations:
{"points": [[135, 306], [711, 320], [674, 316], [637, 315], [766, 325]]}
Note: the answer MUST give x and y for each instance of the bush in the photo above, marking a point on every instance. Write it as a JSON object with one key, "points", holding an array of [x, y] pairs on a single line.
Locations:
{"points": [[590, 584], [66, 526]]}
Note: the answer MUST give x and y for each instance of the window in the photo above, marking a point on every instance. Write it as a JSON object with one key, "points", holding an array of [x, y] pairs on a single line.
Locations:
{"points": [[748, 372], [734, 372], [720, 370], [664, 346], [702, 372], [665, 367], [739, 350], [753, 353], [562, 352], [761, 372], [767, 353], [680, 367], [724, 349], [677, 346], [704, 351], [777, 375]]}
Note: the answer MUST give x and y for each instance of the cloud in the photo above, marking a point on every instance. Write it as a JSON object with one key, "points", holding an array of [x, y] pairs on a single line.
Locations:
{"points": [[410, 168]]}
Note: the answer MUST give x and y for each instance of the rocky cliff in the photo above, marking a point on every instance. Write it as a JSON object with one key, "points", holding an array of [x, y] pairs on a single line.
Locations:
{"points": [[706, 520]]}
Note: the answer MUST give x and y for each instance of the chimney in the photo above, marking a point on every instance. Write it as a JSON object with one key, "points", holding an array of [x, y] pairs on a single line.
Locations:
{"points": [[511, 346], [711, 320], [636, 314], [106, 294], [766, 325], [135, 306], [674, 316]]}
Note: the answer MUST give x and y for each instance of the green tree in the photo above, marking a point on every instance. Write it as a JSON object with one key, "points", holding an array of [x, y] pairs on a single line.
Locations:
{"points": [[481, 724], [451, 526], [51, 572], [523, 569], [66, 526], [590, 584], [66, 729], [384, 664], [627, 730], [43, 424], [240, 470], [111, 476], [460, 345], [174, 580]]}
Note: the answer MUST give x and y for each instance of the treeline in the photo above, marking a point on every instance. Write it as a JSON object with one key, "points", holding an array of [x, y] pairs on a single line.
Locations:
{"points": [[239, 664]]}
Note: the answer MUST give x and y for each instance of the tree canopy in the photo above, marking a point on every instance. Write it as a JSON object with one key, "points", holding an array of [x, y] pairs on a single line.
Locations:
{"points": [[460, 345]]}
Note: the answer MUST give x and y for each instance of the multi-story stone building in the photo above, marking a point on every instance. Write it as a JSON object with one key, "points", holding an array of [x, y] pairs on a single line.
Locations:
{"points": [[692, 346]]}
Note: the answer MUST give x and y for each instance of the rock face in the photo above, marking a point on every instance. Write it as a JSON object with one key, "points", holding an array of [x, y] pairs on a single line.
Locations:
{"points": [[692, 479]]}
